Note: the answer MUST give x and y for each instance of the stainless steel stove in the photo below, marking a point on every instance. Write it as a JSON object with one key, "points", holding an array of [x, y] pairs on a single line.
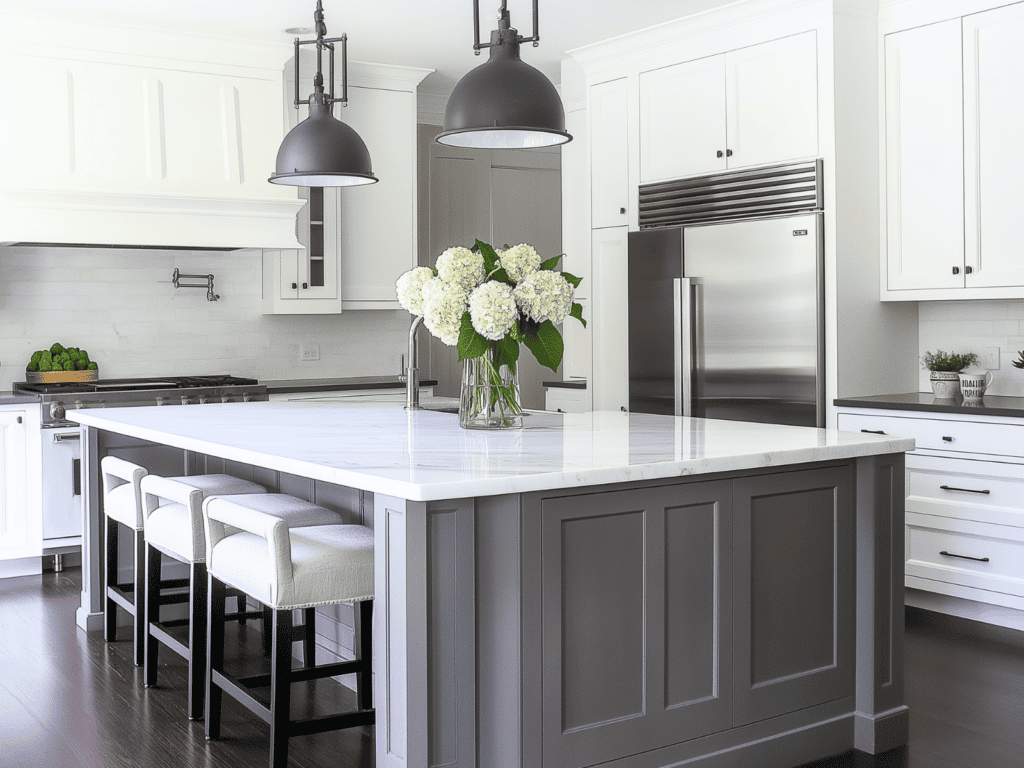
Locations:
{"points": [[56, 399]]}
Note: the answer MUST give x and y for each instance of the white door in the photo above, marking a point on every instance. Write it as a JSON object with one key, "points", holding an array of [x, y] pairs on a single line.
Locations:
{"points": [[14, 524], [682, 120], [610, 310], [609, 159], [994, 162], [924, 188], [771, 93]]}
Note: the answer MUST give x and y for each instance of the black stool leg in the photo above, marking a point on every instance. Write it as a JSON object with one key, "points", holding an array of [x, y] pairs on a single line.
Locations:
{"points": [[364, 679], [268, 629], [309, 639], [110, 607], [140, 597], [197, 641], [216, 601], [280, 689], [151, 613]]}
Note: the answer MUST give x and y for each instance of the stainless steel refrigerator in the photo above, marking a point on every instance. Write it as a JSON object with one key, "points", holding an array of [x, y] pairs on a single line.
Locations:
{"points": [[726, 321]]}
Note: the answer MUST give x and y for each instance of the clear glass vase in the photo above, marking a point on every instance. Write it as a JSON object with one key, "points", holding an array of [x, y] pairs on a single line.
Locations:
{"points": [[489, 398]]}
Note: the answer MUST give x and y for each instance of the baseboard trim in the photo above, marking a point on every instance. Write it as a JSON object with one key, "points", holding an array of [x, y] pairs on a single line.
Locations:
{"points": [[879, 733]]}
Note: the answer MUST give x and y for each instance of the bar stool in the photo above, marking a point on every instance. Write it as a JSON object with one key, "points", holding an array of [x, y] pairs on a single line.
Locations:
{"points": [[286, 569], [122, 505], [173, 514]]}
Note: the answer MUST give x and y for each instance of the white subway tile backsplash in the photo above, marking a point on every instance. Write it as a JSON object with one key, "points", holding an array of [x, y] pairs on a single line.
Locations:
{"points": [[122, 307]]}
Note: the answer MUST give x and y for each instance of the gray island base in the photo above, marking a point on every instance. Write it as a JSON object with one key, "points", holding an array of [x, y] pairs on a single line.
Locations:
{"points": [[619, 589]]}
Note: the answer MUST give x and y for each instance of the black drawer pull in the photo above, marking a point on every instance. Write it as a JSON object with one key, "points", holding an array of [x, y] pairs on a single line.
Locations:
{"points": [[874, 431], [965, 490], [965, 557], [947, 439]]}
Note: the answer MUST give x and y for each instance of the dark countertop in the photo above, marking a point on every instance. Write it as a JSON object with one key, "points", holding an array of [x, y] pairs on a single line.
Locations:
{"points": [[567, 384], [991, 405], [289, 386]]}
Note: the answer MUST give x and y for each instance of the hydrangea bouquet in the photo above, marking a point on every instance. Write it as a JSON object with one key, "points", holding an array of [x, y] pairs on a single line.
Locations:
{"points": [[487, 302]]}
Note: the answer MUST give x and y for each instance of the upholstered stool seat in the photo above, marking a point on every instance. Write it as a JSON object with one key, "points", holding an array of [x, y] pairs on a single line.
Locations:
{"points": [[286, 568], [174, 527]]}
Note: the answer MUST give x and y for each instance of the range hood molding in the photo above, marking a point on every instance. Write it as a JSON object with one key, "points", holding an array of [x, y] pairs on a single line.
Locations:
{"points": [[141, 138]]}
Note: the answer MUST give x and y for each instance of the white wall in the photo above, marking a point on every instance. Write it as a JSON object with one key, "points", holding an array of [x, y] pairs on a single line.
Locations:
{"points": [[121, 307], [971, 326]]}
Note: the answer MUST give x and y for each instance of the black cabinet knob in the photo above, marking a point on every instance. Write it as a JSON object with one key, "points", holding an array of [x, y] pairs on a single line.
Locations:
{"points": [[728, 153], [968, 270], [956, 270], [305, 286], [294, 285], [719, 153]]}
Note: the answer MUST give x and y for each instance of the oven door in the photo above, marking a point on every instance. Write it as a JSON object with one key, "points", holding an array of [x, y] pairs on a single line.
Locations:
{"points": [[62, 486]]}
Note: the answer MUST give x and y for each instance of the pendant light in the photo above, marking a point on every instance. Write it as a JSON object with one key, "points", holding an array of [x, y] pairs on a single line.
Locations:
{"points": [[322, 151], [504, 103]]}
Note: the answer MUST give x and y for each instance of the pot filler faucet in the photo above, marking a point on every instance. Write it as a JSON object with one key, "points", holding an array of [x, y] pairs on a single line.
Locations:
{"points": [[411, 375]]}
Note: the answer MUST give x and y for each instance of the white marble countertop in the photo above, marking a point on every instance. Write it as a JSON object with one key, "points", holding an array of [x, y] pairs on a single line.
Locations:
{"points": [[424, 455]]}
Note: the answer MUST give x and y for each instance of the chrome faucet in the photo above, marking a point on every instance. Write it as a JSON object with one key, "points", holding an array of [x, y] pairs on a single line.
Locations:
{"points": [[411, 377]]}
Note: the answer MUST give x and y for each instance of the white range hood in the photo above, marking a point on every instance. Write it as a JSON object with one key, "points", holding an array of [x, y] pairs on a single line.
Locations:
{"points": [[140, 138]]}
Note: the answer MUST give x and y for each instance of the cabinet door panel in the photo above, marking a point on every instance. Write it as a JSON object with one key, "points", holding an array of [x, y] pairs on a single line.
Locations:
{"points": [[994, 165], [794, 591], [15, 530], [682, 120], [637, 592], [924, 185], [609, 159], [772, 99], [610, 325]]}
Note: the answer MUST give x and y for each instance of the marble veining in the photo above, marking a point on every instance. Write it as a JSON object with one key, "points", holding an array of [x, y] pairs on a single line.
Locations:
{"points": [[423, 455]]}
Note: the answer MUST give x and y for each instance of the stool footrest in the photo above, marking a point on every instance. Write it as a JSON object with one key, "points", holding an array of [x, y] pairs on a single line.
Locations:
{"points": [[302, 674], [332, 722], [169, 640], [241, 695]]}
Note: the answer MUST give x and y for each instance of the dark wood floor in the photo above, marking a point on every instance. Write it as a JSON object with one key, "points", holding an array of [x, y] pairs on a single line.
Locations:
{"points": [[69, 700]]}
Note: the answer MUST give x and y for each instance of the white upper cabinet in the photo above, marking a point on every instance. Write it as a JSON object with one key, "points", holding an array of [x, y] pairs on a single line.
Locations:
{"points": [[924, 158], [751, 106], [954, 104], [993, 160], [609, 154]]}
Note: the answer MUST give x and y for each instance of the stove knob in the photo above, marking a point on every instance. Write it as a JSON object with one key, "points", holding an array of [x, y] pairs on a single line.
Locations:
{"points": [[186, 400], [227, 399], [247, 398], [160, 401], [203, 400], [57, 411]]}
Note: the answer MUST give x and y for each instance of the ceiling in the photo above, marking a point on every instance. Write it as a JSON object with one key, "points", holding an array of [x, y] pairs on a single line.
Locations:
{"points": [[437, 34]]}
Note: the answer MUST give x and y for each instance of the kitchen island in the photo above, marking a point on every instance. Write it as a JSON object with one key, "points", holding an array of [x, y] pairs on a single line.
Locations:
{"points": [[625, 589]]}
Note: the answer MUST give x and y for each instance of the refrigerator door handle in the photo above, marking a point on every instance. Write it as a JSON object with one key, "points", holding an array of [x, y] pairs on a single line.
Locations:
{"points": [[682, 309]]}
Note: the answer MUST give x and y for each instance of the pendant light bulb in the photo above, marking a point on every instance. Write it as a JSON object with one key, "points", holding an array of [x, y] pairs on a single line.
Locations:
{"points": [[504, 103], [322, 151]]}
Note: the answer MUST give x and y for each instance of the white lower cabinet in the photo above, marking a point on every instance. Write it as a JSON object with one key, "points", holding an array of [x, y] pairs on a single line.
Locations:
{"points": [[566, 400], [610, 310], [965, 502], [20, 513]]}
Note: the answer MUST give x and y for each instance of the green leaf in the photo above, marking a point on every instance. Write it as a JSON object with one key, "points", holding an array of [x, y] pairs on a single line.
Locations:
{"points": [[471, 343], [573, 279], [577, 312], [501, 276], [489, 254], [551, 263], [546, 345], [507, 352]]}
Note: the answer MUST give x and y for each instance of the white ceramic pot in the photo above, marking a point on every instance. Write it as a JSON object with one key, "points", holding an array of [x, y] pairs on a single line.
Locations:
{"points": [[945, 384]]}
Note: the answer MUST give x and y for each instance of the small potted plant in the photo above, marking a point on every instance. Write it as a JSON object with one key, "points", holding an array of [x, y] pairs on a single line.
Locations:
{"points": [[945, 370]]}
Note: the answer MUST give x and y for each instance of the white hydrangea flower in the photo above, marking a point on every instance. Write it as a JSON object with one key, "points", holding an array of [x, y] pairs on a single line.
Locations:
{"points": [[444, 304], [460, 265], [545, 295], [492, 309], [410, 289], [519, 261]]}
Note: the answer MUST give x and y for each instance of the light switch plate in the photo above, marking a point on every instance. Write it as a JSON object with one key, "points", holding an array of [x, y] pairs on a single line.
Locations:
{"points": [[992, 358], [309, 352]]}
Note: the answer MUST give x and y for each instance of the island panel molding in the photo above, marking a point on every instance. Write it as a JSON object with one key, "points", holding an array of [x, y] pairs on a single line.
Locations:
{"points": [[493, 587]]}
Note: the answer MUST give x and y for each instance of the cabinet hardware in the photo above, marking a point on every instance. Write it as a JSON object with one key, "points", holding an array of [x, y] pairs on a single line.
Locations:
{"points": [[965, 557], [622, 210], [947, 439], [965, 490], [305, 286], [956, 270], [719, 153], [19, 419], [76, 477], [968, 270], [874, 431], [62, 437], [295, 285], [728, 153]]}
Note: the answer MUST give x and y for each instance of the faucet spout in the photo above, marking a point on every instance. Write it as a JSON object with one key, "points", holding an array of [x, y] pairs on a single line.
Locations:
{"points": [[412, 378]]}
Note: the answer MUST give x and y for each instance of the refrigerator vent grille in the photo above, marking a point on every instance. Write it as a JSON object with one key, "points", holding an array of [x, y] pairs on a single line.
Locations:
{"points": [[776, 190]]}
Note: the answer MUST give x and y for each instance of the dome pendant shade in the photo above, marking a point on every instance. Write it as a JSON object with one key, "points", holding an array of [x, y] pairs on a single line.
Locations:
{"points": [[504, 103], [322, 151]]}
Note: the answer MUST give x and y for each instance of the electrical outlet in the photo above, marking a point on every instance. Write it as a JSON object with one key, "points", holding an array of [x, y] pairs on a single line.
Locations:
{"points": [[309, 352], [992, 358]]}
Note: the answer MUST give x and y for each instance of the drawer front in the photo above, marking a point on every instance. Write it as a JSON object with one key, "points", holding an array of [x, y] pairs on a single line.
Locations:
{"points": [[986, 491], [965, 554], [939, 435], [565, 400]]}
